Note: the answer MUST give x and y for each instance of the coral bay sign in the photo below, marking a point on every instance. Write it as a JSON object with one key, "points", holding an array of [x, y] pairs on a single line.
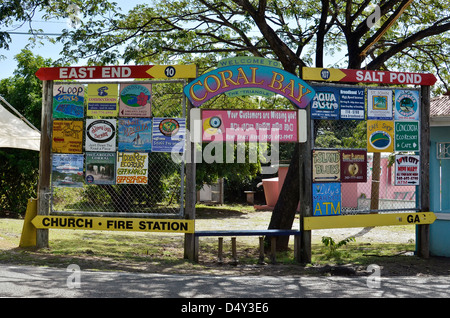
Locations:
{"points": [[254, 78]]}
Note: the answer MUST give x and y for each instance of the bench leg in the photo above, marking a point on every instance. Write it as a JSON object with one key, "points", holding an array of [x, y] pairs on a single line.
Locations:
{"points": [[233, 250], [273, 249], [220, 251], [261, 250]]}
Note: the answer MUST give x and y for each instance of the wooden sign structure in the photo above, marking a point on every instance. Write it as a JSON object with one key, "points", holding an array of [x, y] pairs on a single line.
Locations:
{"points": [[408, 107], [83, 73]]}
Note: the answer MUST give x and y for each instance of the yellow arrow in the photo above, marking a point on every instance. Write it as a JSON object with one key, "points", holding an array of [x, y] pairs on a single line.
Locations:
{"points": [[113, 224], [367, 220], [173, 71], [322, 74]]}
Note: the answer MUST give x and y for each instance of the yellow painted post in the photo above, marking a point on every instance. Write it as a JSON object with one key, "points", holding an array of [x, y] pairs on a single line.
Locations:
{"points": [[28, 237]]}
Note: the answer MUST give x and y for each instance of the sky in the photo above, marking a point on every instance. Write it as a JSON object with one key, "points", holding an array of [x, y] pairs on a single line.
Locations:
{"points": [[47, 49]]}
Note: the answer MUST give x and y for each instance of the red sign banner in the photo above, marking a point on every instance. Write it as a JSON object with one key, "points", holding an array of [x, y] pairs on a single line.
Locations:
{"points": [[116, 72], [367, 76]]}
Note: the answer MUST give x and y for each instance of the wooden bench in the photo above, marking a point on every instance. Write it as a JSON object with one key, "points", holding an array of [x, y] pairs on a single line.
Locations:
{"points": [[261, 233]]}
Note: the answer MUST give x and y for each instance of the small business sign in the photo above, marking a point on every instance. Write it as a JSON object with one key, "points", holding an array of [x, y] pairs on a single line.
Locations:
{"points": [[353, 165], [326, 165], [406, 105], [407, 170], [326, 199], [380, 136], [379, 104], [407, 136]]}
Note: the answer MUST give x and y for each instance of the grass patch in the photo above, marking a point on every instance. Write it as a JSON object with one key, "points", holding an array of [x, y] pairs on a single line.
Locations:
{"points": [[164, 252]]}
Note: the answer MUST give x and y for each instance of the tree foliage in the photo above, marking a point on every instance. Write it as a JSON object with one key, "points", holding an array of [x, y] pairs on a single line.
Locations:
{"points": [[20, 168]]}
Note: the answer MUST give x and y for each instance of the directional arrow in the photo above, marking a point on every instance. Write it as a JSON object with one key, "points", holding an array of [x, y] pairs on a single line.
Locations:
{"points": [[117, 72], [172, 71], [367, 220], [366, 76]]}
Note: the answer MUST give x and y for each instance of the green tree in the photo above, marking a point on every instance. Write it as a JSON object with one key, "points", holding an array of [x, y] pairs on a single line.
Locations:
{"points": [[20, 168]]}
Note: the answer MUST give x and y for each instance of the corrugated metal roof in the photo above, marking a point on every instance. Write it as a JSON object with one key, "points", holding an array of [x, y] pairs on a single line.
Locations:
{"points": [[440, 106]]}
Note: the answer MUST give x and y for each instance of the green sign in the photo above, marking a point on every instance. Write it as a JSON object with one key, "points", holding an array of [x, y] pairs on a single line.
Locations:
{"points": [[407, 136]]}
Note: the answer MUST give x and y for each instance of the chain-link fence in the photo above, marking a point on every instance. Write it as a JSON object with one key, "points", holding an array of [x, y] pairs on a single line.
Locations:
{"points": [[378, 191], [162, 195]]}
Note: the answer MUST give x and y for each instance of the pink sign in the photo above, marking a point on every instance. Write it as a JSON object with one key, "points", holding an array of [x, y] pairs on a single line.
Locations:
{"points": [[250, 125]]}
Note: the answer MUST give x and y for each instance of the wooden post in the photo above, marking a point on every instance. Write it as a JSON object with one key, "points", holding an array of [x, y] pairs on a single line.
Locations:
{"points": [[305, 179], [423, 231], [273, 249], [375, 190], [44, 161], [190, 243], [220, 251], [261, 250], [233, 250]]}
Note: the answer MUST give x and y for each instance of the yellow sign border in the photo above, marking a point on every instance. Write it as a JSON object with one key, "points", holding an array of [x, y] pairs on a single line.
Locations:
{"points": [[113, 224], [367, 220]]}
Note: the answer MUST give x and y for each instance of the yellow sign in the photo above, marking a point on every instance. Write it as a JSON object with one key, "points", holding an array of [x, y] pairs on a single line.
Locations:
{"points": [[380, 136], [322, 74], [172, 71], [367, 220], [67, 136], [113, 224]]}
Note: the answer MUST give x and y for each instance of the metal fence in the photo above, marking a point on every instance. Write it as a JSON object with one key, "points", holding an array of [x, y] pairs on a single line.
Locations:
{"points": [[161, 196], [357, 196]]}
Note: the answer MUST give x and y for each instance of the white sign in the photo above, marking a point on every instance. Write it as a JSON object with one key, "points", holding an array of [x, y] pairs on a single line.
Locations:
{"points": [[407, 170], [379, 104], [101, 135]]}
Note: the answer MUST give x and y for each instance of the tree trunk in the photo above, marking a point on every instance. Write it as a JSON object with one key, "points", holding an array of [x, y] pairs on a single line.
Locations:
{"points": [[284, 211]]}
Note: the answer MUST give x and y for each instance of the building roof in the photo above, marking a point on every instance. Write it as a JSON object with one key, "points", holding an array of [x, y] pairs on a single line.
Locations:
{"points": [[440, 106]]}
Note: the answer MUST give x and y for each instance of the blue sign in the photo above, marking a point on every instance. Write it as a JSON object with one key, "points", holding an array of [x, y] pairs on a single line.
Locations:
{"points": [[326, 199], [169, 134], [352, 103], [325, 103]]}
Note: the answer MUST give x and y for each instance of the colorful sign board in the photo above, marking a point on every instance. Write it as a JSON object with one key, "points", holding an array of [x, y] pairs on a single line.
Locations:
{"points": [[67, 170], [366, 76], [102, 100], [326, 165], [135, 134], [353, 165], [352, 103], [249, 125], [407, 136], [331, 102], [68, 101], [100, 167], [380, 136], [325, 103], [407, 170], [116, 72], [67, 136], [135, 100], [168, 134], [326, 199], [249, 77], [379, 104], [113, 224], [367, 220], [407, 105], [132, 168], [100, 135]]}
